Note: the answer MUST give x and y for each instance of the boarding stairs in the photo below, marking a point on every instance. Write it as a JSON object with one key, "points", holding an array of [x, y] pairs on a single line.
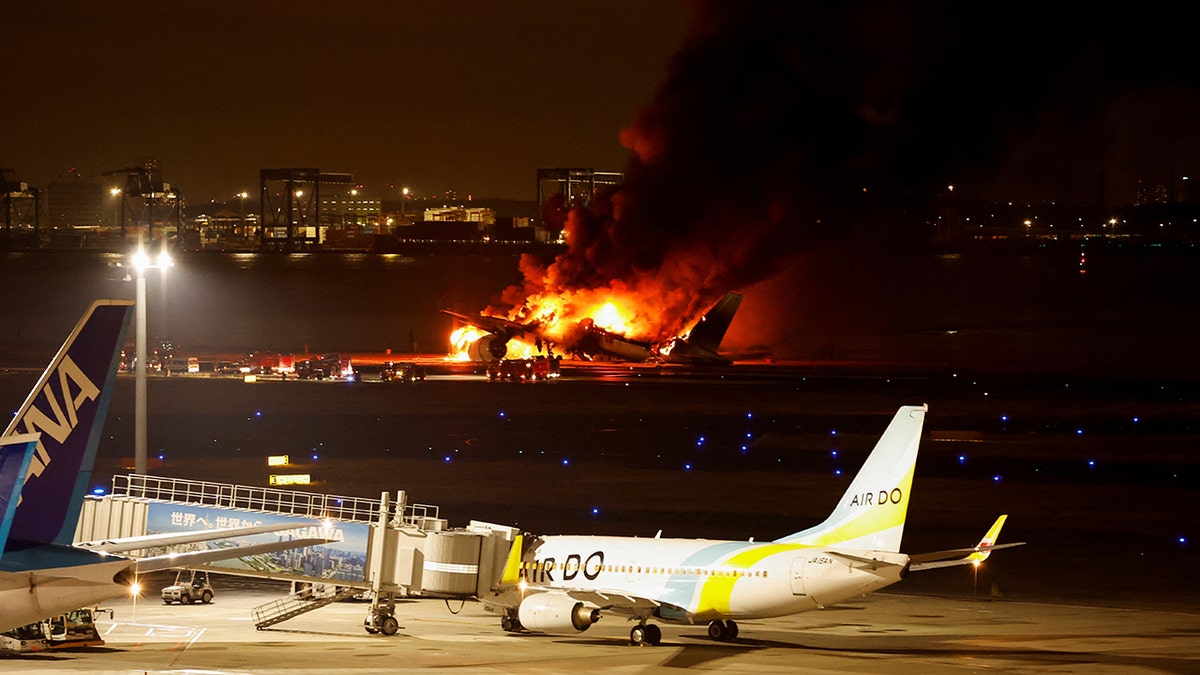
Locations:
{"points": [[294, 605]]}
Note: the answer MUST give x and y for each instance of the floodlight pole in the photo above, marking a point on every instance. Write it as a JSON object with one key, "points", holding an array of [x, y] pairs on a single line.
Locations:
{"points": [[139, 434], [142, 263]]}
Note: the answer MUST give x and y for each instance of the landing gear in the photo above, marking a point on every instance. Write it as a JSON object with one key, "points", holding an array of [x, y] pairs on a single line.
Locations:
{"points": [[510, 624], [645, 633], [723, 631], [381, 618]]}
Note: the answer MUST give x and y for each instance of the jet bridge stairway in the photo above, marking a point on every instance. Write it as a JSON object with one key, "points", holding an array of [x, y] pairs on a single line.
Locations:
{"points": [[294, 605]]}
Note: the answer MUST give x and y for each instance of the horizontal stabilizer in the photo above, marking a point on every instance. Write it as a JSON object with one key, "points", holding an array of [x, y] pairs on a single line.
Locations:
{"points": [[936, 559], [963, 556], [872, 559], [162, 562]]}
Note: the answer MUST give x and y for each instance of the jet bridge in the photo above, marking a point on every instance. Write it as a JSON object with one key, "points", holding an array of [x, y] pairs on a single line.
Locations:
{"points": [[384, 547]]}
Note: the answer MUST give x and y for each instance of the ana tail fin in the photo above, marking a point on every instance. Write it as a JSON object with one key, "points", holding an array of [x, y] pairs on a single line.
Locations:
{"points": [[68, 406], [16, 452], [870, 515]]}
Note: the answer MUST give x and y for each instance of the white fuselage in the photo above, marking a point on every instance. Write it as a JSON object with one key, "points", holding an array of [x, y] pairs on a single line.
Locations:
{"points": [[697, 580], [26, 597]]}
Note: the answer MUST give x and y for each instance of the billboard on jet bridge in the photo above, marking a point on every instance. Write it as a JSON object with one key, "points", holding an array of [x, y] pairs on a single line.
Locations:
{"points": [[343, 559]]}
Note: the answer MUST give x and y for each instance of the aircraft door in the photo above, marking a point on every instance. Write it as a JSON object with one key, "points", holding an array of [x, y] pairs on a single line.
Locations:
{"points": [[797, 576], [633, 574]]}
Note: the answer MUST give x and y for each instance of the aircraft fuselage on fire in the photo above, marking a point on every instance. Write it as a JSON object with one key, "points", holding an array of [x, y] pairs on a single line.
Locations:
{"points": [[589, 341], [567, 583]]}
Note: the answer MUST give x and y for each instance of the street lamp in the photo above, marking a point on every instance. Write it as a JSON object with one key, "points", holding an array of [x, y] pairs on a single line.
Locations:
{"points": [[141, 262], [242, 196], [403, 199]]}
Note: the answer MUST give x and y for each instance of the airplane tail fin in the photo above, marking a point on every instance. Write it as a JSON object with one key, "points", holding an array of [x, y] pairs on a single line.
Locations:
{"points": [[15, 454], [708, 333], [871, 513], [67, 406]]}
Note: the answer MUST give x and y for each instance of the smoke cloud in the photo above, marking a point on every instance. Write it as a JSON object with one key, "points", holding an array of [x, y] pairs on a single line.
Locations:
{"points": [[778, 124]]}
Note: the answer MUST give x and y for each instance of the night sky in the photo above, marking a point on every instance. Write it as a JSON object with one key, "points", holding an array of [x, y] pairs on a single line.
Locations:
{"points": [[1013, 100], [473, 96]]}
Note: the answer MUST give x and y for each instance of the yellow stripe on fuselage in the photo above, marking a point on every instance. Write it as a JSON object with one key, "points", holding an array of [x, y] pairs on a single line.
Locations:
{"points": [[717, 590]]}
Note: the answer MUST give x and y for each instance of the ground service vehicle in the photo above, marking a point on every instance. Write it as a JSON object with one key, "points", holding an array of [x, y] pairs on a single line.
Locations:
{"points": [[65, 631], [189, 586]]}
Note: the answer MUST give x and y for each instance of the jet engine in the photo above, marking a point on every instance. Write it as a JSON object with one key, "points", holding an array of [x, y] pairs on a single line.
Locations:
{"points": [[488, 348], [555, 613]]}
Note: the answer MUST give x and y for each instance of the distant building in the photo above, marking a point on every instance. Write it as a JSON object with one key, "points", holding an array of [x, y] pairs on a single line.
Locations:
{"points": [[1150, 193], [459, 214], [74, 203], [575, 186], [350, 209], [560, 190]]}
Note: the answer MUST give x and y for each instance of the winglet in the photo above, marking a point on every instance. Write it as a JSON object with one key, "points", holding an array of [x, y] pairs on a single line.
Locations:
{"points": [[512, 567]]}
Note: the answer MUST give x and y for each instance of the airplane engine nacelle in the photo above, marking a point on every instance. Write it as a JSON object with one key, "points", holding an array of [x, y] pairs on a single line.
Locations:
{"points": [[488, 348], [555, 613]]}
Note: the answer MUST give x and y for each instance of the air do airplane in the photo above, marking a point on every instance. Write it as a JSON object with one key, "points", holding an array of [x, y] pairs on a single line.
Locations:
{"points": [[564, 584]]}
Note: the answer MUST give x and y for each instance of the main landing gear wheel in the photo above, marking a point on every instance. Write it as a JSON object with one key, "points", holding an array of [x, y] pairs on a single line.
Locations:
{"points": [[645, 633], [510, 624], [723, 631]]}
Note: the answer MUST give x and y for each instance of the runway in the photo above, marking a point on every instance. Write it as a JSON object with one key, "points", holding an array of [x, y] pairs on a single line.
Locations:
{"points": [[884, 632]]}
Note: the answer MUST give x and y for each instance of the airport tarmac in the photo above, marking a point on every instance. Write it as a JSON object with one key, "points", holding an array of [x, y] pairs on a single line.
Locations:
{"points": [[883, 632]]}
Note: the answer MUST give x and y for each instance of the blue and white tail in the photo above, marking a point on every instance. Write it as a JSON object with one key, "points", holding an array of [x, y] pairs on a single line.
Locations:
{"points": [[67, 408], [870, 515], [16, 452]]}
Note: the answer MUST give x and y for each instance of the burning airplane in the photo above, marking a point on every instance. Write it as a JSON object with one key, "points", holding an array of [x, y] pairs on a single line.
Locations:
{"points": [[491, 338]]}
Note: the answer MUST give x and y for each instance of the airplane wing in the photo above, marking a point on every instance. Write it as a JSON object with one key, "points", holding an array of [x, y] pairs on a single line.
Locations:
{"points": [[616, 602], [963, 556], [162, 562], [491, 324], [126, 544]]}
